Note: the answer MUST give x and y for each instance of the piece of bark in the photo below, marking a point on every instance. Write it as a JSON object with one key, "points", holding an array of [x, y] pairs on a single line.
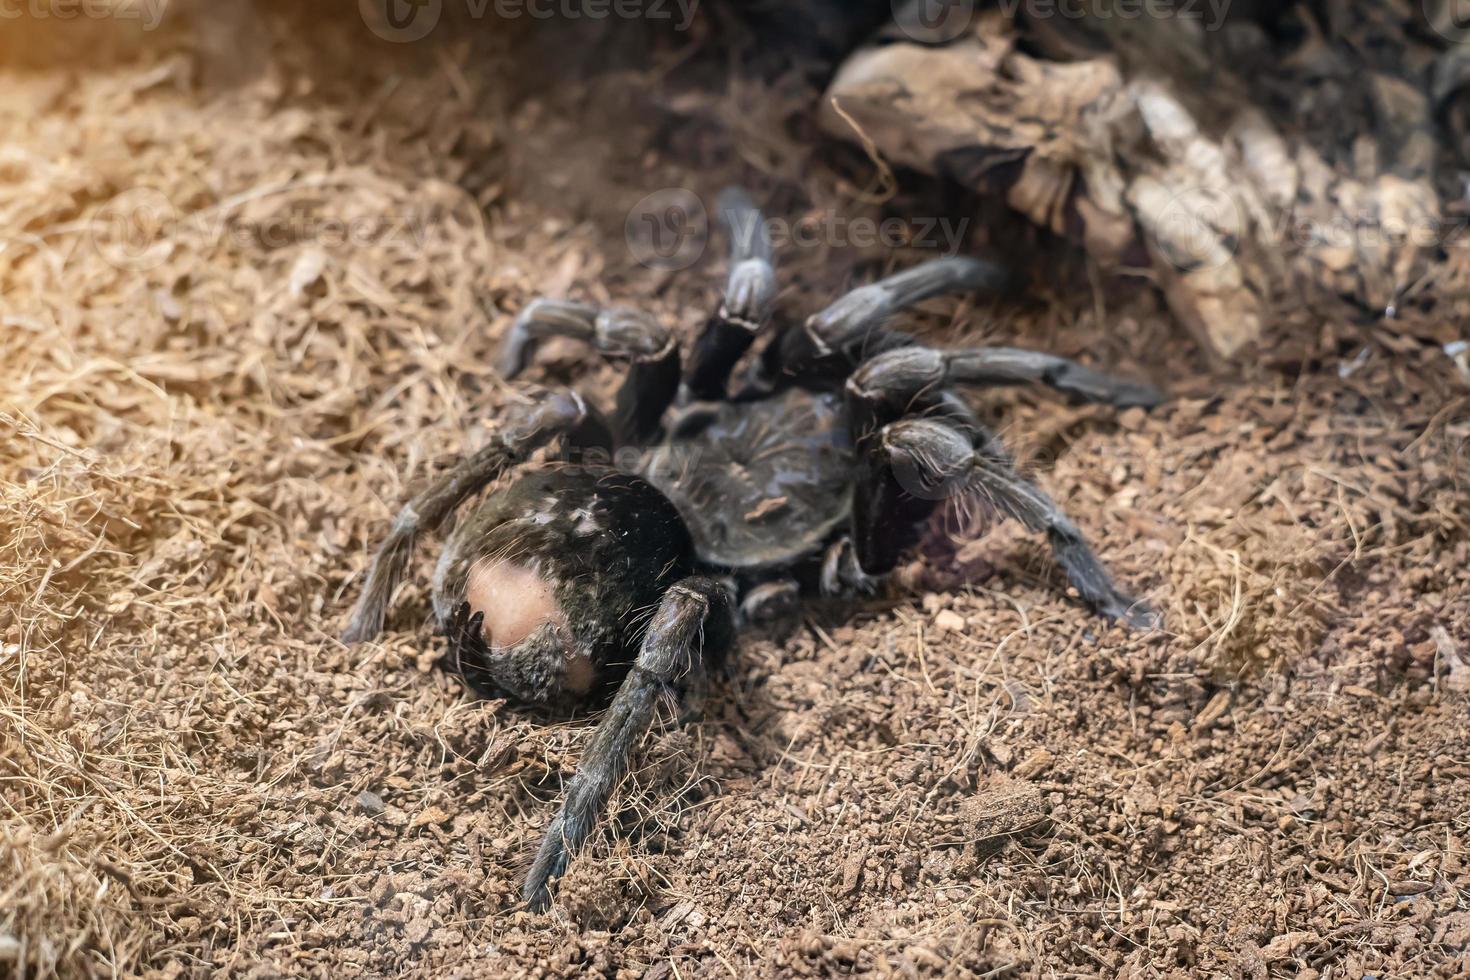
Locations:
{"points": [[1237, 217]]}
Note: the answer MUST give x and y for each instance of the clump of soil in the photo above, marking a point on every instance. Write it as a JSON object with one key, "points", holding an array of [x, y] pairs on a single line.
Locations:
{"points": [[243, 320]]}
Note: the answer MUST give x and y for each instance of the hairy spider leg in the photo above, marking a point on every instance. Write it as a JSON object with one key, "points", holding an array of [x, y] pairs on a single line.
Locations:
{"points": [[920, 445], [746, 307], [650, 348], [852, 329], [693, 624], [894, 383], [921, 461]]}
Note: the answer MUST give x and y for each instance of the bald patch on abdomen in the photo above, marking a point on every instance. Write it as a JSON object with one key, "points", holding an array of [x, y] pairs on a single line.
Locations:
{"points": [[517, 601]]}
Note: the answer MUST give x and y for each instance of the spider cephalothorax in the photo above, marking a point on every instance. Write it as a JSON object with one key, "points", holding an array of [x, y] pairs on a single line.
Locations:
{"points": [[594, 570]]}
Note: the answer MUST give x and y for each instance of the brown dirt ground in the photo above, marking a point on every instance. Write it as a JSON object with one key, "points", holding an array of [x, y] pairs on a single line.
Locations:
{"points": [[207, 424]]}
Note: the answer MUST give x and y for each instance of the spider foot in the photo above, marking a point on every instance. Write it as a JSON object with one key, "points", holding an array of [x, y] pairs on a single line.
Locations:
{"points": [[841, 572], [772, 606]]}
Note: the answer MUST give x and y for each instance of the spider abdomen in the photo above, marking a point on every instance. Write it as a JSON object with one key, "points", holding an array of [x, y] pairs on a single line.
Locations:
{"points": [[562, 563]]}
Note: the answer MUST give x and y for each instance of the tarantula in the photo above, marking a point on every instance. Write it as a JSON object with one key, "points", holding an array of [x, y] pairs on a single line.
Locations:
{"points": [[816, 472]]}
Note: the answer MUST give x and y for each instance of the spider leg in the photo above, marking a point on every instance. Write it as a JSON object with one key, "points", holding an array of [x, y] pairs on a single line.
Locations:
{"points": [[651, 349], [543, 318], [887, 517], [840, 572], [556, 414], [693, 624], [887, 385], [747, 303], [852, 326], [926, 461], [887, 522], [771, 605]]}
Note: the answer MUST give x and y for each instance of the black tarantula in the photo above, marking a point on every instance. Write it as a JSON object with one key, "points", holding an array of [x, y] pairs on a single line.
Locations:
{"points": [[816, 474]]}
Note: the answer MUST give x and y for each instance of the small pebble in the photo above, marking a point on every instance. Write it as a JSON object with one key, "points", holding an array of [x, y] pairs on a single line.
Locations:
{"points": [[950, 621]]}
